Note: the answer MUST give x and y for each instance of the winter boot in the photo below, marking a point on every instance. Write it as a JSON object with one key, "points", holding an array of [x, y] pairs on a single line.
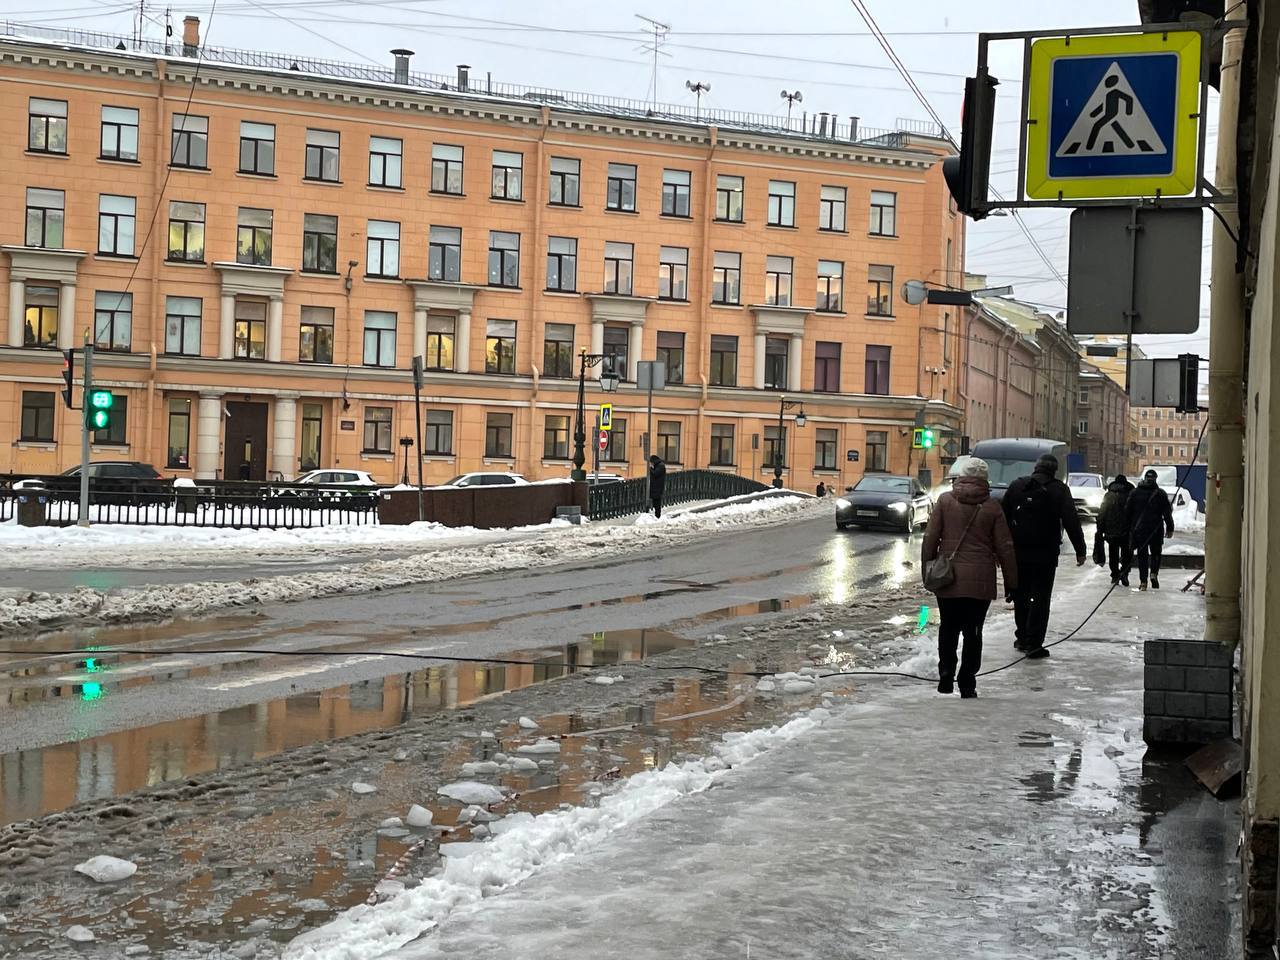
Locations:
{"points": [[946, 685], [1142, 585], [968, 694], [1039, 653], [1155, 582]]}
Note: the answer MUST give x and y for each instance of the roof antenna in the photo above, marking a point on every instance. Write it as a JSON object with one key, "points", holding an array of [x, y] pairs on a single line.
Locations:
{"points": [[660, 31]]}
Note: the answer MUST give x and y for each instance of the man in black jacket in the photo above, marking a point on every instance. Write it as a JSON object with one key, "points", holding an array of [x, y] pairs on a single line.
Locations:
{"points": [[1113, 526], [657, 483], [1149, 517], [1038, 508]]}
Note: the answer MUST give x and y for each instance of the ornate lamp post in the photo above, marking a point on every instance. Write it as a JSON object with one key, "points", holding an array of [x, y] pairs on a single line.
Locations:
{"points": [[783, 405], [608, 383]]}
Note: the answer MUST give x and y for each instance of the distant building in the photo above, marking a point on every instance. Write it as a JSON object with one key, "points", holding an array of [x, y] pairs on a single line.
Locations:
{"points": [[1102, 422], [1164, 436], [998, 369]]}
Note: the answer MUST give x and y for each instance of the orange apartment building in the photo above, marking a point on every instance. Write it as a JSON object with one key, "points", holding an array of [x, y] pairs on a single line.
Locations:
{"points": [[259, 251]]}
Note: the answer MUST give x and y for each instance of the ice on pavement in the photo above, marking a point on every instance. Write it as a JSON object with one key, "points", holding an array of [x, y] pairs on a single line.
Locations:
{"points": [[418, 817], [524, 765], [105, 869], [361, 789], [522, 846], [472, 791], [548, 547], [540, 747], [528, 724], [79, 934]]}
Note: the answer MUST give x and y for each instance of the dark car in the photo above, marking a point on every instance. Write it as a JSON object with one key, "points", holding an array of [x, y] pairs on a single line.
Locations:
{"points": [[880, 500], [1009, 458], [110, 481]]}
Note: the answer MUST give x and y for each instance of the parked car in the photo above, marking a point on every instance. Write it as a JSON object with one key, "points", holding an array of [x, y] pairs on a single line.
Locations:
{"points": [[352, 478], [882, 500], [1087, 490], [329, 484], [482, 479], [1192, 479], [598, 478], [110, 481]]}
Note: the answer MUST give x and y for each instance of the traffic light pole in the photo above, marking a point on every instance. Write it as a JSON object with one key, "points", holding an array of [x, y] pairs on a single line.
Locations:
{"points": [[84, 436]]}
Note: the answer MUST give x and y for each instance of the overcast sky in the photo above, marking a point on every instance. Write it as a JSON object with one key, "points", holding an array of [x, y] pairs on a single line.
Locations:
{"points": [[745, 49]]}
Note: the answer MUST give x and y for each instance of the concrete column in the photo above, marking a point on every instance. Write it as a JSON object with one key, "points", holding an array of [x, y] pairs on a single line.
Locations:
{"points": [[597, 347], [67, 317], [758, 371], [795, 362], [227, 328], [284, 432], [420, 332], [17, 311], [208, 436], [634, 347], [461, 344], [275, 328]]}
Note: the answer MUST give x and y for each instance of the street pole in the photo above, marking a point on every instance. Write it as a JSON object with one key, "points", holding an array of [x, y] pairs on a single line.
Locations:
{"points": [[1224, 501], [417, 420], [777, 446], [83, 520], [648, 430], [595, 453], [580, 427]]}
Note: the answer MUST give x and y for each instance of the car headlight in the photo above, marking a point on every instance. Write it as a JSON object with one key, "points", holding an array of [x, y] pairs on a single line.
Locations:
{"points": [[843, 504], [898, 507]]}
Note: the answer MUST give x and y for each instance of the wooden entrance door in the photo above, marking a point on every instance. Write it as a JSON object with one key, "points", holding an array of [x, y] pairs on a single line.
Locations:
{"points": [[246, 441]]}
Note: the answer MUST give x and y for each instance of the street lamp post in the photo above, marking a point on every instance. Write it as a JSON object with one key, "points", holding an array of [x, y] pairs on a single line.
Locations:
{"points": [[406, 443], [783, 405], [608, 383]]}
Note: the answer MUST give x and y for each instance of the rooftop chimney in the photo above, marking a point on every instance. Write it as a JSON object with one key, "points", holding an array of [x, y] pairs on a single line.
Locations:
{"points": [[853, 128], [822, 124], [402, 64], [462, 75], [190, 36]]}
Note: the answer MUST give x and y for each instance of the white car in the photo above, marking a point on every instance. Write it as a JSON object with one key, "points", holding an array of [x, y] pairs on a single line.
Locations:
{"points": [[328, 486], [351, 478], [1087, 490], [481, 479]]}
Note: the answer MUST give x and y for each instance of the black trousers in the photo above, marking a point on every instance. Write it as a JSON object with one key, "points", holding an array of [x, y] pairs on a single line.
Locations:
{"points": [[961, 615], [1031, 602], [1149, 559], [1120, 558], [657, 506]]}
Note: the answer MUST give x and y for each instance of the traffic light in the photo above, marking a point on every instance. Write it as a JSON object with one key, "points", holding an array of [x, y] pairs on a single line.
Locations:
{"points": [[68, 375], [967, 174], [922, 438], [98, 409]]}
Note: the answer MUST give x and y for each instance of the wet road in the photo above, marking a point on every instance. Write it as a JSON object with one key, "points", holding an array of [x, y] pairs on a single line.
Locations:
{"points": [[532, 615]]}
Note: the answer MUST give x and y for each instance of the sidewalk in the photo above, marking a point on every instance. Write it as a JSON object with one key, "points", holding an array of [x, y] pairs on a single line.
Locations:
{"points": [[1029, 823]]}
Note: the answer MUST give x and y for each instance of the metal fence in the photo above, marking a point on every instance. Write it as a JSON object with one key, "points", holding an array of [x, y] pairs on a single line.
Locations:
{"points": [[608, 500], [212, 504]]}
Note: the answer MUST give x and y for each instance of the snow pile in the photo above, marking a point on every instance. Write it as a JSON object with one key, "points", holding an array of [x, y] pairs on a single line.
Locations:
{"points": [[1188, 518], [472, 791], [79, 934], [553, 546], [418, 817], [541, 747], [106, 869], [361, 789], [527, 845]]}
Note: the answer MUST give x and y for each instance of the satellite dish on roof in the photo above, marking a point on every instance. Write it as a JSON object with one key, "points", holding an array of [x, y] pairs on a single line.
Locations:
{"points": [[914, 292]]}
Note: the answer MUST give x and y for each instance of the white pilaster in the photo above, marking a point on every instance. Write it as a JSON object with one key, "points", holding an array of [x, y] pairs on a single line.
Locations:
{"points": [[758, 369], [795, 362], [227, 328], [597, 347], [634, 346], [284, 433], [208, 436], [275, 328], [420, 332], [67, 317], [462, 343], [17, 311]]}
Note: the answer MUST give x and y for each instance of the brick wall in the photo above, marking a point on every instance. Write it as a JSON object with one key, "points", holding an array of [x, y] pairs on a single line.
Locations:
{"points": [[1187, 691]]}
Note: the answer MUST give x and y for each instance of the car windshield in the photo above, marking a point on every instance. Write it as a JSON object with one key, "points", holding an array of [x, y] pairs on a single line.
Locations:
{"points": [[884, 484], [1165, 476], [454, 482], [1001, 473], [1083, 480]]}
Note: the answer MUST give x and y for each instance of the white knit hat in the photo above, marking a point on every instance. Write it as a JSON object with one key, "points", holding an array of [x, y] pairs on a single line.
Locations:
{"points": [[975, 467]]}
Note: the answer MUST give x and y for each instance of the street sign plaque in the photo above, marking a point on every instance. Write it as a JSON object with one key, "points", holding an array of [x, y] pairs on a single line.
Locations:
{"points": [[1113, 115], [604, 440], [851, 456], [606, 416]]}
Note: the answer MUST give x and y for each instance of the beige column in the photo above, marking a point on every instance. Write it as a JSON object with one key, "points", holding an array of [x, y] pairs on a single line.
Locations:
{"points": [[208, 436], [462, 343], [634, 348], [284, 433], [67, 317], [597, 347], [795, 362], [275, 328], [17, 312], [758, 369], [420, 332], [227, 328]]}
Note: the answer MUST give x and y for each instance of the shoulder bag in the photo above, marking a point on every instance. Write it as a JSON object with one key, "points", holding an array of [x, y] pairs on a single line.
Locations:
{"points": [[940, 573]]}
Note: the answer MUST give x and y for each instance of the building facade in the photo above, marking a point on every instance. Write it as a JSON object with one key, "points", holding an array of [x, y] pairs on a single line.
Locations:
{"points": [[1101, 435], [998, 377], [259, 253], [1165, 436]]}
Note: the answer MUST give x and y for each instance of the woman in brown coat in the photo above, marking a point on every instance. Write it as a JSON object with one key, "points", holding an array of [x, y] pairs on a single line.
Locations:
{"points": [[974, 555]]}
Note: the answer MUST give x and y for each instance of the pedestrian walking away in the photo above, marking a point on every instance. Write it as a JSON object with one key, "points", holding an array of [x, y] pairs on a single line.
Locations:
{"points": [[1038, 508], [1113, 527], [1149, 519], [822, 489], [969, 531], [657, 483]]}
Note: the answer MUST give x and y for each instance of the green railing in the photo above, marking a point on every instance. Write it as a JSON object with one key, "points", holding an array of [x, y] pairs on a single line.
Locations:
{"points": [[608, 500]]}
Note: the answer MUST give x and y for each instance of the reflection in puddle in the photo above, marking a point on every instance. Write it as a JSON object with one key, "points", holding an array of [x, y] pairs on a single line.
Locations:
{"points": [[36, 782]]}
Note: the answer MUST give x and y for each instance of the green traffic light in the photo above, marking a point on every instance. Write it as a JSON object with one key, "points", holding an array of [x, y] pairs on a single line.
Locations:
{"points": [[101, 399], [91, 691], [100, 419]]}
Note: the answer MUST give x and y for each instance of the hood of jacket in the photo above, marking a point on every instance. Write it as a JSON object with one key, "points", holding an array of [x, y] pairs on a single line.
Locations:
{"points": [[1148, 484], [1044, 474], [1119, 486], [971, 490]]}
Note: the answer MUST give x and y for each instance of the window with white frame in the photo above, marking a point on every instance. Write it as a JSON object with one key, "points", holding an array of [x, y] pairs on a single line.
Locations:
{"points": [[119, 133], [620, 188], [182, 326], [386, 161], [46, 125], [562, 264], [726, 278], [315, 335], [831, 209], [444, 254], [673, 273], [507, 180], [117, 225], [675, 193], [258, 148], [830, 286], [777, 281], [565, 181], [45, 218], [618, 265], [189, 146], [112, 320], [319, 243], [884, 213], [446, 169], [384, 249], [729, 191], [322, 155], [379, 338], [782, 203], [504, 259]]}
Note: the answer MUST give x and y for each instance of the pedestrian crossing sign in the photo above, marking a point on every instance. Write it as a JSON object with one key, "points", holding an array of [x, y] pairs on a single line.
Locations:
{"points": [[1113, 115]]}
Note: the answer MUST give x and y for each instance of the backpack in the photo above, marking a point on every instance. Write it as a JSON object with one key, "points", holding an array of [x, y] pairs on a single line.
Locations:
{"points": [[1035, 520]]}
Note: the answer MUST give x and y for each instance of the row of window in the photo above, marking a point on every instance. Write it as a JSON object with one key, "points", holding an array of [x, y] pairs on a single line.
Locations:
{"points": [[113, 330], [1155, 449], [38, 409], [1169, 432], [117, 235], [189, 147]]}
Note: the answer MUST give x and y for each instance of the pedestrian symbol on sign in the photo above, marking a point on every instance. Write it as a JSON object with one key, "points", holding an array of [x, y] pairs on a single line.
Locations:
{"points": [[1112, 122]]}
